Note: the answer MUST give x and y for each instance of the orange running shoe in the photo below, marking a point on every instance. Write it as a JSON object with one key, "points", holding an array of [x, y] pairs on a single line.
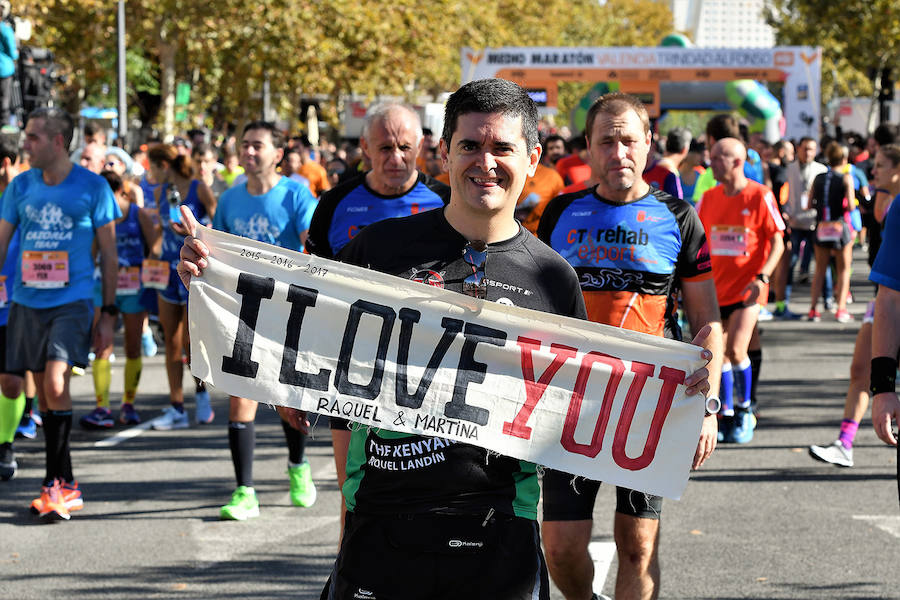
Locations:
{"points": [[53, 505], [37, 505], [71, 496]]}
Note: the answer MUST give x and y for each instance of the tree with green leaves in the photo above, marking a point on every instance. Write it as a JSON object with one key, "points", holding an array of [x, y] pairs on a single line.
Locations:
{"points": [[858, 38], [226, 49]]}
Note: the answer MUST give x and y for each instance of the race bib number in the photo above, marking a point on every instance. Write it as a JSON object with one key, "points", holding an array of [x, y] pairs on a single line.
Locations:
{"points": [[129, 281], [728, 240], [155, 274], [4, 294], [829, 231], [45, 269]]}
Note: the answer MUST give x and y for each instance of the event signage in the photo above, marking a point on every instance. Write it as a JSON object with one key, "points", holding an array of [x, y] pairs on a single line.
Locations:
{"points": [[296, 330], [797, 68]]}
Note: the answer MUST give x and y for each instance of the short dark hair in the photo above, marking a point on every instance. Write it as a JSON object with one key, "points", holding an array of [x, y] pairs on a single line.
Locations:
{"points": [[555, 137], [678, 140], [492, 96], [885, 134], [615, 103], [277, 134], [723, 126], [92, 129], [56, 122], [9, 148]]}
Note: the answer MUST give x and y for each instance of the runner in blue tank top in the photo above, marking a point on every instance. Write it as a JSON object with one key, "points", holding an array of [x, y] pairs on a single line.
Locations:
{"points": [[135, 232], [175, 173]]}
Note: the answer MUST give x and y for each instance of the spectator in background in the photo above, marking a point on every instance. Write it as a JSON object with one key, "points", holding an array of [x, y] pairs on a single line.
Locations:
{"points": [[782, 156], [312, 170], [664, 174], [8, 57], [427, 151], [575, 168], [206, 168], [691, 168], [555, 148], [232, 169]]}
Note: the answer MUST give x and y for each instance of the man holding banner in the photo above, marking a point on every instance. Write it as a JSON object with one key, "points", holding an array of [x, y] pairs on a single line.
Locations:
{"points": [[633, 247], [453, 515]]}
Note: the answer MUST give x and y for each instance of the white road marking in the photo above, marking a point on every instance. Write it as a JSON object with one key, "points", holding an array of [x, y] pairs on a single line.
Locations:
{"points": [[222, 541], [888, 523], [126, 434], [602, 554]]}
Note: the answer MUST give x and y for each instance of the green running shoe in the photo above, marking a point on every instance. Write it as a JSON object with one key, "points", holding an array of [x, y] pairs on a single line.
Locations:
{"points": [[303, 490], [243, 505]]}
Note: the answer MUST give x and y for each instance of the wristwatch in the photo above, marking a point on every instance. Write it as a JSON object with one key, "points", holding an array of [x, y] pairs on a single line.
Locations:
{"points": [[713, 405], [763, 277], [110, 309]]}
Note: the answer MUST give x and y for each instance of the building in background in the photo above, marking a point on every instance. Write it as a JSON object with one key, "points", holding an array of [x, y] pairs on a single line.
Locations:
{"points": [[723, 23]]}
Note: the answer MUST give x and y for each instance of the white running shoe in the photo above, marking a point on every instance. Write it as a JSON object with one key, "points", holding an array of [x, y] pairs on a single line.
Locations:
{"points": [[835, 454], [172, 419]]}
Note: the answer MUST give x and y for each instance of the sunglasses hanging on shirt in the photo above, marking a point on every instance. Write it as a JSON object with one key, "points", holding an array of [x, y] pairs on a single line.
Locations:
{"points": [[475, 255]]}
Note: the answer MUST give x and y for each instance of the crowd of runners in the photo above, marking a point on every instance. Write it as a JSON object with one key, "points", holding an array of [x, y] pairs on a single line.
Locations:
{"points": [[695, 231]]}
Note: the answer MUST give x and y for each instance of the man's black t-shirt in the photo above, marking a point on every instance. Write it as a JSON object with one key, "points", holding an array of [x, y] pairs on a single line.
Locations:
{"points": [[458, 478]]}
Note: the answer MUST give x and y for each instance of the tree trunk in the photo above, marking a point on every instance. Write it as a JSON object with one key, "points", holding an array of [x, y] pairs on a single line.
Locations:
{"points": [[167, 82]]}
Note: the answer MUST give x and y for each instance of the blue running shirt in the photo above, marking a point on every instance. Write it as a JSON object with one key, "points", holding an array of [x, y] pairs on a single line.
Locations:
{"points": [[277, 217], [62, 217]]}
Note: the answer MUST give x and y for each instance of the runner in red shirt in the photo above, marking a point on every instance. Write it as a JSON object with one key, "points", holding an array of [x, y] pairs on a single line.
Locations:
{"points": [[743, 226]]}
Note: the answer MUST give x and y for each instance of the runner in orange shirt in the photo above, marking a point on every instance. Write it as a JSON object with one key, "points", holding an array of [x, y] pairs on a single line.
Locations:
{"points": [[544, 186], [743, 226], [312, 170]]}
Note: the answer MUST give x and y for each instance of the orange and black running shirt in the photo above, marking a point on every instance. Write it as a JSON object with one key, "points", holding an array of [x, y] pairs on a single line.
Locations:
{"points": [[629, 257], [740, 230]]}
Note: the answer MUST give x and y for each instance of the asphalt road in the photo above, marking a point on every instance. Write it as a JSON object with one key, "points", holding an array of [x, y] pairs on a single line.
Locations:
{"points": [[757, 521]]}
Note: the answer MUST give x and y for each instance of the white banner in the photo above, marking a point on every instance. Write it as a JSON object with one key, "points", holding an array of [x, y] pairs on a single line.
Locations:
{"points": [[296, 330]]}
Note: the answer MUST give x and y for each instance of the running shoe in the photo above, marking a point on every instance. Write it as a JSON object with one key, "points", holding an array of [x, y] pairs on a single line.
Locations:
{"points": [[50, 504], [205, 414], [843, 316], [71, 496], [99, 418], [172, 419], [830, 304], [835, 454], [27, 427], [744, 424], [303, 490], [814, 316], [784, 314], [148, 344], [129, 416], [37, 418], [764, 314], [8, 464], [243, 505]]}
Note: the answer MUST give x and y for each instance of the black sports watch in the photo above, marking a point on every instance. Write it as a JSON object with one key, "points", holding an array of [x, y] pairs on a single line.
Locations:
{"points": [[763, 277], [110, 309]]}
